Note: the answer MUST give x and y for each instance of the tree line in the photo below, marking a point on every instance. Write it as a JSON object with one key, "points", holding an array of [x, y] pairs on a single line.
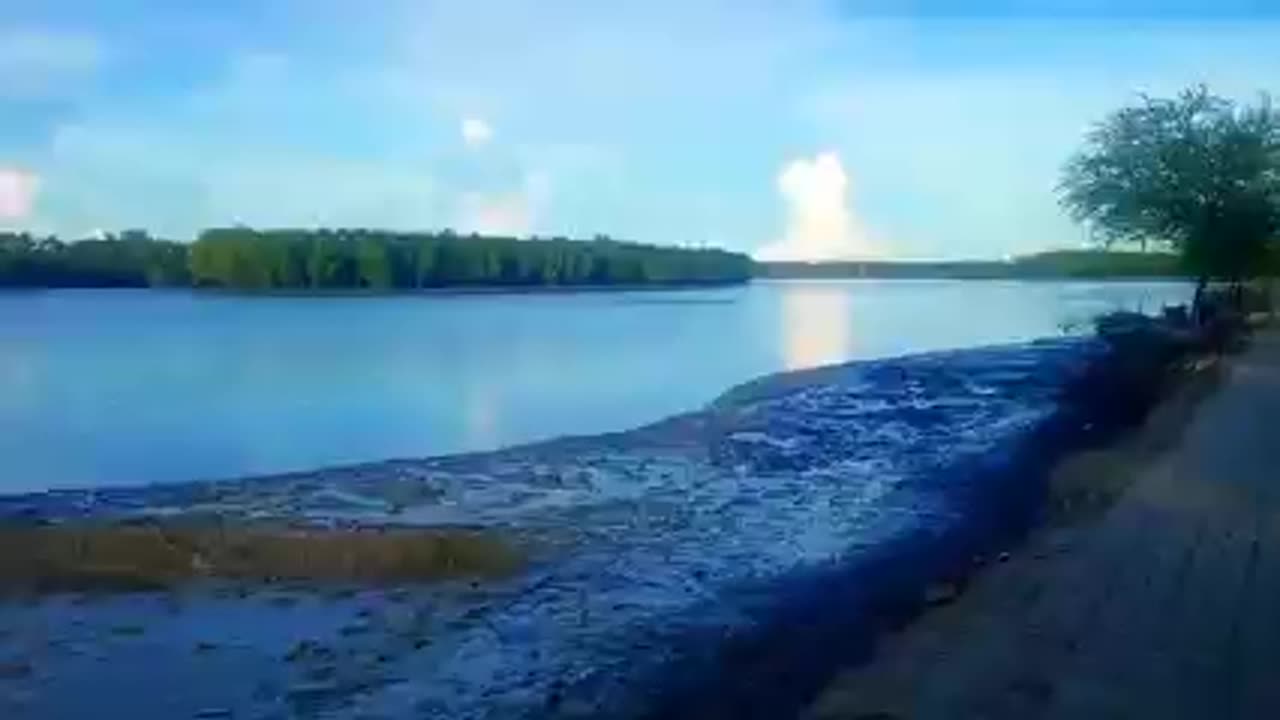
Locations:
{"points": [[243, 258], [1057, 264]]}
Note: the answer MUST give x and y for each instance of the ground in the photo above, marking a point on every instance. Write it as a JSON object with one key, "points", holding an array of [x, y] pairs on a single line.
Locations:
{"points": [[1163, 606]]}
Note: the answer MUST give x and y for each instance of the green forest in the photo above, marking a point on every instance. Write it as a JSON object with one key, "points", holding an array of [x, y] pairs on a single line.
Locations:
{"points": [[261, 260], [332, 260]]}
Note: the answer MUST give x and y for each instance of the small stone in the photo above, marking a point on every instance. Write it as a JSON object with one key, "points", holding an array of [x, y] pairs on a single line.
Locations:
{"points": [[941, 594], [211, 713], [205, 646], [264, 691], [321, 673], [1004, 557], [356, 628], [304, 649], [313, 692], [128, 630], [15, 669]]}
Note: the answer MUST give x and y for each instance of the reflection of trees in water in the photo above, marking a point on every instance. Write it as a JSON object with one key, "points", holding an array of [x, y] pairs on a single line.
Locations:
{"points": [[816, 326]]}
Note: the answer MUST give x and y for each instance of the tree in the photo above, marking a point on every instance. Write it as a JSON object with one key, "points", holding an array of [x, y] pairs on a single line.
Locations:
{"points": [[373, 263], [1196, 173]]}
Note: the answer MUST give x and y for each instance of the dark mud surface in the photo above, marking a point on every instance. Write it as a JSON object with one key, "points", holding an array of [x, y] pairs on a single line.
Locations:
{"points": [[720, 563]]}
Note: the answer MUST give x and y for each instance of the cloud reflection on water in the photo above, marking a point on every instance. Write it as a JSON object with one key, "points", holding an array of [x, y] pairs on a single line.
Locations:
{"points": [[817, 325], [480, 418]]}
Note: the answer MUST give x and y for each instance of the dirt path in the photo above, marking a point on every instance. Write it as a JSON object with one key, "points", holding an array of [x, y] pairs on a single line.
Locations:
{"points": [[1167, 605]]}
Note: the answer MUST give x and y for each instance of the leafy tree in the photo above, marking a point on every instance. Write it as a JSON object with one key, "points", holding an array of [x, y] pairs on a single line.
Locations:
{"points": [[1196, 173]]}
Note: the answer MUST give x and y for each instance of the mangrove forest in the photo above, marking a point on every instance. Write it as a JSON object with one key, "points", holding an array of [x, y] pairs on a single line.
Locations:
{"points": [[243, 258]]}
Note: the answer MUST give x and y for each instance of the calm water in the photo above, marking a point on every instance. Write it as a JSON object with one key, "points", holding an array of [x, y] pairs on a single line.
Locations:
{"points": [[125, 387]]}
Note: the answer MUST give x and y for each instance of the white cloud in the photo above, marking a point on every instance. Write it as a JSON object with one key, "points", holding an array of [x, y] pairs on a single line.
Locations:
{"points": [[43, 63], [18, 190], [476, 132], [821, 224]]}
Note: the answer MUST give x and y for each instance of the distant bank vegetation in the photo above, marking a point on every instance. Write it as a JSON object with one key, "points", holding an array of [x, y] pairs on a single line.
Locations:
{"points": [[247, 259], [1100, 264], [263, 260]]}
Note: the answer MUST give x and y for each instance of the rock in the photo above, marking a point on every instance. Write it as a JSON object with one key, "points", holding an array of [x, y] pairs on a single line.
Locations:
{"points": [[15, 669], [265, 691], [941, 594], [305, 649], [321, 673], [283, 600], [312, 694], [211, 713], [1003, 557], [356, 628]]}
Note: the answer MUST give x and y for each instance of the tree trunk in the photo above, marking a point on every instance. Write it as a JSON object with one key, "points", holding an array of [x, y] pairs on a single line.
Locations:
{"points": [[1197, 302]]}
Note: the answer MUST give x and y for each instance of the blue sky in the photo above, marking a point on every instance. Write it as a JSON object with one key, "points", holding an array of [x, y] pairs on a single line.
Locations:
{"points": [[928, 129]]}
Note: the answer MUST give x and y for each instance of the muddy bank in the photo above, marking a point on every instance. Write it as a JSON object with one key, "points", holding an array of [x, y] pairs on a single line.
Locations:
{"points": [[721, 563], [1008, 639]]}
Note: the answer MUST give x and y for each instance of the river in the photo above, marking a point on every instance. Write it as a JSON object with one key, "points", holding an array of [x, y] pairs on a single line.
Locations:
{"points": [[121, 387]]}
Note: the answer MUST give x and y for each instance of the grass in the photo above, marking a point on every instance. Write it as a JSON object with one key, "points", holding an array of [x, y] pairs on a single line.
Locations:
{"points": [[131, 557], [1086, 483]]}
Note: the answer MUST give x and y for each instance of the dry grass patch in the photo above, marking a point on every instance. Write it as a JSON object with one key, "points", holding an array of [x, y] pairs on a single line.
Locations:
{"points": [[125, 557]]}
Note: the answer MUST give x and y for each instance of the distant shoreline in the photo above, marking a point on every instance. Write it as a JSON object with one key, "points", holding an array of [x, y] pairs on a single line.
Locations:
{"points": [[393, 292], [984, 278], [1054, 265], [459, 290]]}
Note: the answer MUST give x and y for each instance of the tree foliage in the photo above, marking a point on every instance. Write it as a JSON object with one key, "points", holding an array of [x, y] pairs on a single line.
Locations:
{"points": [[132, 260], [1196, 173], [247, 259]]}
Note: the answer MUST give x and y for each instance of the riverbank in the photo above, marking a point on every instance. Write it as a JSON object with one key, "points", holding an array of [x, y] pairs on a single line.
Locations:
{"points": [[721, 563], [1151, 594]]}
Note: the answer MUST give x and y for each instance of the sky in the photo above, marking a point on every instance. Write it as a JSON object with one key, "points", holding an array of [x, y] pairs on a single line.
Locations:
{"points": [[804, 129]]}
